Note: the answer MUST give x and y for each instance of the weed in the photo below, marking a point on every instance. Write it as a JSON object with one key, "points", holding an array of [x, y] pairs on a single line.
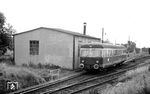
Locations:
{"points": [[24, 76], [138, 84]]}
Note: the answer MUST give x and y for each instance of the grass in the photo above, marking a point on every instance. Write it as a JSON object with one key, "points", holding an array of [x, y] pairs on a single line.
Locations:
{"points": [[41, 66], [137, 85], [23, 76], [43, 69], [136, 82], [132, 73], [132, 82], [27, 75]]}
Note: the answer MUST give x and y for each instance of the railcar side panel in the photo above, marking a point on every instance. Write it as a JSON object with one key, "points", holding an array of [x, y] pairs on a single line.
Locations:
{"points": [[109, 61]]}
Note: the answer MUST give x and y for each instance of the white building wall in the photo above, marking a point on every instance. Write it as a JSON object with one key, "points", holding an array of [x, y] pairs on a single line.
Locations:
{"points": [[54, 48]]}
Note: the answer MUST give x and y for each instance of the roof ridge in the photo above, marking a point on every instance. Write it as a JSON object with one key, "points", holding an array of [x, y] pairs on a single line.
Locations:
{"points": [[60, 30]]}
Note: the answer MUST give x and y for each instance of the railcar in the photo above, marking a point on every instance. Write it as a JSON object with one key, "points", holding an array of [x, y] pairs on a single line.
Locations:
{"points": [[99, 56]]}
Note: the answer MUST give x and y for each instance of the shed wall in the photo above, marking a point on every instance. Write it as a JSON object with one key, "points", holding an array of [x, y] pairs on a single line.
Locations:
{"points": [[54, 48]]}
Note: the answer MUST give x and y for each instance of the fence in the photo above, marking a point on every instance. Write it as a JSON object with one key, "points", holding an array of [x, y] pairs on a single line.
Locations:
{"points": [[54, 74]]}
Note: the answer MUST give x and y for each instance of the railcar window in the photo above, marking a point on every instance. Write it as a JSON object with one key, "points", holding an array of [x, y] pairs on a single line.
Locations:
{"points": [[108, 53], [84, 53], [124, 51], [100, 53], [90, 52], [119, 52], [112, 53], [103, 53], [115, 52]]}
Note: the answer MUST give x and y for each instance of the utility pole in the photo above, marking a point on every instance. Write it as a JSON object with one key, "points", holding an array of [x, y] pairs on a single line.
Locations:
{"points": [[102, 34]]}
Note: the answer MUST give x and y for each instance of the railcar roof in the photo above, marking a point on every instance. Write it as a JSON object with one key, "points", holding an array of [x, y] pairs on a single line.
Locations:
{"points": [[101, 45]]}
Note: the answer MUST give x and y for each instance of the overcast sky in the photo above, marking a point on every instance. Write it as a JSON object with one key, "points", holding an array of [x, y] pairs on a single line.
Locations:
{"points": [[121, 19]]}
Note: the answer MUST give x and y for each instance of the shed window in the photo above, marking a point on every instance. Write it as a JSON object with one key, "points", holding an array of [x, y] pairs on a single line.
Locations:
{"points": [[34, 47]]}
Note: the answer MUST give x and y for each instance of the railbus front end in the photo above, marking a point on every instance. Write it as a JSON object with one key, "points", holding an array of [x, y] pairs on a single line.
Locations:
{"points": [[100, 56], [90, 57]]}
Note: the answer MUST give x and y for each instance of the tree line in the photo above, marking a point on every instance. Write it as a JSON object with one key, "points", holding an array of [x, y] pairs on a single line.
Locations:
{"points": [[6, 35]]}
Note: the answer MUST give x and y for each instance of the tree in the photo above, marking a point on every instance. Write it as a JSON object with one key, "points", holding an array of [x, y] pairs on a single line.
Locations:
{"points": [[131, 46], [6, 31], [2, 20]]}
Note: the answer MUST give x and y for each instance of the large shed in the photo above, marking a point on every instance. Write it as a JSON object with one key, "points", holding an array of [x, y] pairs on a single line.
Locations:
{"points": [[49, 46]]}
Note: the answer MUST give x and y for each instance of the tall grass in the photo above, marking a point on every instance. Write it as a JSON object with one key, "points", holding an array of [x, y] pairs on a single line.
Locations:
{"points": [[23, 76], [41, 66], [132, 73], [139, 83]]}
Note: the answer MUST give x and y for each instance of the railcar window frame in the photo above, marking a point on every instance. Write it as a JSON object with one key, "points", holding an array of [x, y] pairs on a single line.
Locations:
{"points": [[85, 52], [103, 52]]}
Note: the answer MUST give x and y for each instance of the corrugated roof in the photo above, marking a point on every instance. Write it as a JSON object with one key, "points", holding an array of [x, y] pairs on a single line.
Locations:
{"points": [[60, 30]]}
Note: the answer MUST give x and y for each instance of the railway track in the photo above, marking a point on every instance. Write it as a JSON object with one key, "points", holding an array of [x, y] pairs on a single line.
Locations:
{"points": [[79, 86], [37, 88], [69, 85], [88, 84], [57, 84]]}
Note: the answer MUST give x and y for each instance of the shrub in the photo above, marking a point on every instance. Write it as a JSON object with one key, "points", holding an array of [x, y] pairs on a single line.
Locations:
{"points": [[45, 66], [8, 59], [24, 76]]}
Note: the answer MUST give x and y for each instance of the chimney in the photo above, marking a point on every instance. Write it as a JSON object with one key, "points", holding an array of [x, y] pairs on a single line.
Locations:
{"points": [[84, 30]]}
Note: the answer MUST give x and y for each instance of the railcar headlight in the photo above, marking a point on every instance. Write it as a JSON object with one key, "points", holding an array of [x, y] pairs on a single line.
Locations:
{"points": [[97, 61], [82, 61], [81, 65], [108, 59], [96, 66]]}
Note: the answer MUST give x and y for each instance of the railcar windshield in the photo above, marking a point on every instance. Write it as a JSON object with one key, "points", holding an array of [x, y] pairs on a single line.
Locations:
{"points": [[90, 52]]}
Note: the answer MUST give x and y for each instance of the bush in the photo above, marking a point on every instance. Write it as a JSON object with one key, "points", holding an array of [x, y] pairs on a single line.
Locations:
{"points": [[8, 59], [23, 76], [39, 65]]}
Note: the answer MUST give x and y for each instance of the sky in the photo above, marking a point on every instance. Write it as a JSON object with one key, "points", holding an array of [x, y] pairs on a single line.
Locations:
{"points": [[121, 19]]}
